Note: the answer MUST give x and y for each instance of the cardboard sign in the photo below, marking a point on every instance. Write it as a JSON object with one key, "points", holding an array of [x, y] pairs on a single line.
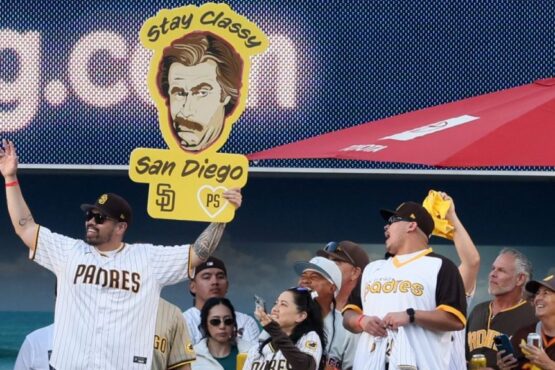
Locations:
{"points": [[198, 79]]}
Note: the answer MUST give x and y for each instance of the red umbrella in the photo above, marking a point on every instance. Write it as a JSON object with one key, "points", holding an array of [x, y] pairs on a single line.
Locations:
{"points": [[512, 127]]}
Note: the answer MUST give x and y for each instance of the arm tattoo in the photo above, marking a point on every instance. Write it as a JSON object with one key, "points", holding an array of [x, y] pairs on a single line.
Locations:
{"points": [[207, 242], [23, 221]]}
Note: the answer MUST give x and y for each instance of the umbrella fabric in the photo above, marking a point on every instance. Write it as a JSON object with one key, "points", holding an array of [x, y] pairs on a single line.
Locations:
{"points": [[512, 127]]}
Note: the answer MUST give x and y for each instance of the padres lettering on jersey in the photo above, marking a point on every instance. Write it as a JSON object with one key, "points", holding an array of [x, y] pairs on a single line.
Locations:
{"points": [[421, 280], [391, 285], [271, 365], [482, 339], [103, 301], [91, 274]]}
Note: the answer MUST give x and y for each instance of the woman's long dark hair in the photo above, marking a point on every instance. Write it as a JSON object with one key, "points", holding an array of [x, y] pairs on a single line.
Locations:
{"points": [[313, 322], [211, 302]]}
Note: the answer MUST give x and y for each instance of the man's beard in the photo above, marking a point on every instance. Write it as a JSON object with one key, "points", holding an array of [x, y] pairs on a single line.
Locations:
{"points": [[97, 239]]}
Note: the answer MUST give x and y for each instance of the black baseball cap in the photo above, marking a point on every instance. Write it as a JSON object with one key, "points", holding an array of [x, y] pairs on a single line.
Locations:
{"points": [[414, 212], [534, 285], [211, 262], [111, 205]]}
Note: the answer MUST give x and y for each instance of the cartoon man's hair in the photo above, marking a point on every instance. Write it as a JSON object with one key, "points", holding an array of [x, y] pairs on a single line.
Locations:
{"points": [[199, 47]]}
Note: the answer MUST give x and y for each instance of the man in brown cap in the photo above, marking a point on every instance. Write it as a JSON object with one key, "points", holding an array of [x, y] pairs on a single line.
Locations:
{"points": [[411, 301], [351, 260], [108, 290]]}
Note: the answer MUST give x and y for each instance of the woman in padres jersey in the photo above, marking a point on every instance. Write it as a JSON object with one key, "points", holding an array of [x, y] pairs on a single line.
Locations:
{"points": [[219, 348], [296, 333]]}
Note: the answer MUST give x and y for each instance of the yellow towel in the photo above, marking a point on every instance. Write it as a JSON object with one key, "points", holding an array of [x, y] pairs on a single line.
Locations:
{"points": [[438, 207]]}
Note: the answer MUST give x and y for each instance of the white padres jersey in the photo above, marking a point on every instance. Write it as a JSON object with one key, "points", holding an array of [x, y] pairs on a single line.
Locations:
{"points": [[458, 350], [106, 305], [424, 281], [270, 360], [247, 329], [36, 350]]}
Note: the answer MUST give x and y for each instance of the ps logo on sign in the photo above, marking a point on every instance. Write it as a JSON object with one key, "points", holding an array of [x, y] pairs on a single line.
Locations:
{"points": [[211, 200]]}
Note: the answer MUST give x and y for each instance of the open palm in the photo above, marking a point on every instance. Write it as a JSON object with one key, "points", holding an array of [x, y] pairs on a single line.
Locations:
{"points": [[8, 159]]}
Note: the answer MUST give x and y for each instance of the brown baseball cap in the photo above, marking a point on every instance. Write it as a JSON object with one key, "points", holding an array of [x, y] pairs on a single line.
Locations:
{"points": [[346, 251], [412, 211], [534, 285], [111, 205]]}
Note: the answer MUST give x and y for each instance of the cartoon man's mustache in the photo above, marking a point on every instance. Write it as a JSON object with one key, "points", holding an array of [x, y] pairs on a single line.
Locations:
{"points": [[191, 125]]}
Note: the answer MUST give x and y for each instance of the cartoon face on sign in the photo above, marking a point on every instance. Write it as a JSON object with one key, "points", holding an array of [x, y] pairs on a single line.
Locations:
{"points": [[200, 77]]}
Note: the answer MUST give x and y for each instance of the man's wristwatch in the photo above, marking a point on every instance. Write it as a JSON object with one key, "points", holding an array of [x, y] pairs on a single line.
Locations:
{"points": [[410, 312]]}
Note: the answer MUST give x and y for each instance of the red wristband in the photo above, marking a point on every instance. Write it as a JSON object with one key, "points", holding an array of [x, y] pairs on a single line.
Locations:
{"points": [[13, 183], [359, 321]]}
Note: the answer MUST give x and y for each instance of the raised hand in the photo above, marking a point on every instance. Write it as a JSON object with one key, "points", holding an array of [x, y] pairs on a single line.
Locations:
{"points": [[8, 160]]}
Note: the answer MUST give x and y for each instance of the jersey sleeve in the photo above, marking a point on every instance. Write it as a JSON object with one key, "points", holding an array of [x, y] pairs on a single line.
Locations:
{"points": [[450, 294], [25, 356], [52, 250], [354, 302], [170, 265], [181, 347], [192, 318], [250, 329], [311, 345]]}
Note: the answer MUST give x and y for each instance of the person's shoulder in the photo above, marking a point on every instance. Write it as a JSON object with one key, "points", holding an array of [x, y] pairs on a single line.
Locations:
{"points": [[202, 346], [191, 311], [245, 345], [375, 264], [46, 331], [446, 263], [443, 259], [168, 307], [311, 335], [482, 306], [526, 312], [45, 234], [41, 337], [243, 316]]}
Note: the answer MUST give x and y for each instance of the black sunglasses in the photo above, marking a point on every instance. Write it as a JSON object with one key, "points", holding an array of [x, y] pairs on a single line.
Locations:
{"points": [[99, 218], [217, 322], [333, 247], [393, 219]]}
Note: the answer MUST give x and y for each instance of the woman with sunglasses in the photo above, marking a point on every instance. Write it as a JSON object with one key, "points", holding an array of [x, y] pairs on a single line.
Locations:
{"points": [[219, 347], [296, 334]]}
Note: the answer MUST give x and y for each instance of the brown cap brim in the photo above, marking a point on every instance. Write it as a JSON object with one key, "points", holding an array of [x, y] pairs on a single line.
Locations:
{"points": [[387, 213], [323, 253], [534, 285], [87, 207]]}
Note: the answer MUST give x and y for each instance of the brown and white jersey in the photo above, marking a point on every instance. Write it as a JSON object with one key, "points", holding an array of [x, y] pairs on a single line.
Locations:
{"points": [[421, 280], [272, 359], [483, 326], [172, 344], [106, 305]]}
